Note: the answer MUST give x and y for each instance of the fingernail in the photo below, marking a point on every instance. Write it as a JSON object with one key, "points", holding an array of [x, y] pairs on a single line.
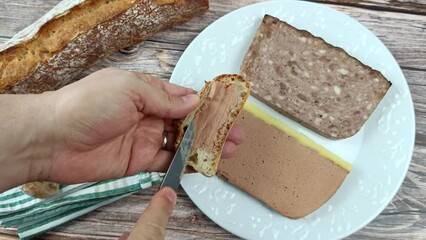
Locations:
{"points": [[191, 99], [170, 194]]}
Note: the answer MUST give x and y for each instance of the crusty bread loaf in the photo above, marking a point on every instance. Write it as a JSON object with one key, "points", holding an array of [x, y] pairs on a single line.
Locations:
{"points": [[281, 167], [221, 101], [40, 189], [77, 33], [311, 81]]}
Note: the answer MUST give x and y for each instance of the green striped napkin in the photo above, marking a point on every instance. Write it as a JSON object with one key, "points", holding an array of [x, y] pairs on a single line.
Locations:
{"points": [[33, 216]]}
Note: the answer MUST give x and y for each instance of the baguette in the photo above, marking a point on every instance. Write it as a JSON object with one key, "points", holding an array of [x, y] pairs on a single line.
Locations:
{"points": [[221, 100], [77, 33], [311, 81]]}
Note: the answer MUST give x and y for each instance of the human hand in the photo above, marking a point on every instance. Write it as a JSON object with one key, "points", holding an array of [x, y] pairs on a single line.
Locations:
{"points": [[153, 222], [111, 123]]}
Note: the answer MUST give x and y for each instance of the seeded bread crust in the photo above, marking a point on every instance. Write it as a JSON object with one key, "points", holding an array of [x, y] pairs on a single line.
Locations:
{"points": [[206, 161], [311, 81]]}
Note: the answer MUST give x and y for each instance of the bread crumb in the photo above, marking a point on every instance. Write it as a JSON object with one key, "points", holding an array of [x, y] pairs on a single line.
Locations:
{"points": [[193, 219]]}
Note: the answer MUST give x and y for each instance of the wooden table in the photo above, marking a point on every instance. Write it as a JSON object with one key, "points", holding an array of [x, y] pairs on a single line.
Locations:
{"points": [[400, 24]]}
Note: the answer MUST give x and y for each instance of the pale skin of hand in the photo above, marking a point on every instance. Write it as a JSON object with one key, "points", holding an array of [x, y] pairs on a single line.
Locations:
{"points": [[107, 125]]}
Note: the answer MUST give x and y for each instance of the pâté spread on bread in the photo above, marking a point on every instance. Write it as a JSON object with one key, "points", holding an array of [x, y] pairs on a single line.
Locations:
{"points": [[221, 100]]}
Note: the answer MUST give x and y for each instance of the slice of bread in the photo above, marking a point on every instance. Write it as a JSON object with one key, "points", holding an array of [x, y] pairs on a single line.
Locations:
{"points": [[221, 101], [311, 81], [40, 189], [282, 167]]}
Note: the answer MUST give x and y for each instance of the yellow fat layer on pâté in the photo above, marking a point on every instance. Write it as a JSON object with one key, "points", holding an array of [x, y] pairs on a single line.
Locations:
{"points": [[302, 139]]}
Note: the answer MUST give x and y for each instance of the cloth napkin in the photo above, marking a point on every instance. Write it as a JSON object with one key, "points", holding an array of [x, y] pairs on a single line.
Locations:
{"points": [[33, 216]]}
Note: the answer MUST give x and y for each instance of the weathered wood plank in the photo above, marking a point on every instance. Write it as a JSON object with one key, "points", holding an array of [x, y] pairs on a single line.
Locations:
{"points": [[400, 226], [26, 11], [395, 30], [8, 233], [415, 77], [404, 6]]}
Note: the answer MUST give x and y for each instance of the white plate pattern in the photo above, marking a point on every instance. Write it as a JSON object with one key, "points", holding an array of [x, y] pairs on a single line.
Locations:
{"points": [[380, 152]]}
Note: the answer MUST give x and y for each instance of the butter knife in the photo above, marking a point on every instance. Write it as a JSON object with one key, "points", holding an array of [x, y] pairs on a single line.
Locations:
{"points": [[177, 167]]}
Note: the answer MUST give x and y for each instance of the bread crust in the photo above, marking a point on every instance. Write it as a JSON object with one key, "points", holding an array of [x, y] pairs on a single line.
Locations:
{"points": [[209, 168], [40, 189], [137, 23]]}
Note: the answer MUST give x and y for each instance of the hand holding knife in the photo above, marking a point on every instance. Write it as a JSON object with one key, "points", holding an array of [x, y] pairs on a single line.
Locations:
{"points": [[177, 167]]}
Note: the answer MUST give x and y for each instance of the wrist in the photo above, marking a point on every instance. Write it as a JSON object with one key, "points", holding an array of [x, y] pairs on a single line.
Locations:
{"points": [[26, 142], [42, 143]]}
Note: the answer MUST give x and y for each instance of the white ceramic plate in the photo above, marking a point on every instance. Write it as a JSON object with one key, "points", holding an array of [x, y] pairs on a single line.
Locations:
{"points": [[380, 152]]}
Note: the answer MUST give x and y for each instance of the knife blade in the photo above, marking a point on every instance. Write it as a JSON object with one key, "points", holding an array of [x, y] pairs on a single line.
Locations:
{"points": [[177, 167]]}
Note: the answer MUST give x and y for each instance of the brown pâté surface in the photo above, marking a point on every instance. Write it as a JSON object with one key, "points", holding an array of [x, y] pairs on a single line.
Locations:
{"points": [[311, 81], [275, 168]]}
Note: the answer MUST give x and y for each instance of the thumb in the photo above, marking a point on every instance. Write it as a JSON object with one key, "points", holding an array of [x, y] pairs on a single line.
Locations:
{"points": [[155, 101], [153, 222]]}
